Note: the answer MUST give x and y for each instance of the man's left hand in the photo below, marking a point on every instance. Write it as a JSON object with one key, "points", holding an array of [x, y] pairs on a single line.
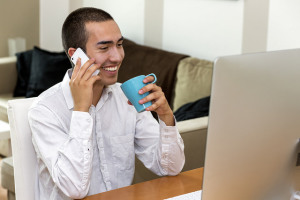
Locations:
{"points": [[159, 102]]}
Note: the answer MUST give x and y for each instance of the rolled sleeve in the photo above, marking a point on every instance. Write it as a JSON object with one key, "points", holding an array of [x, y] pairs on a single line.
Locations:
{"points": [[172, 149]]}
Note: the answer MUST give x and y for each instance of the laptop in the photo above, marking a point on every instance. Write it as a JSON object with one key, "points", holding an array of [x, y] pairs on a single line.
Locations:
{"points": [[254, 127]]}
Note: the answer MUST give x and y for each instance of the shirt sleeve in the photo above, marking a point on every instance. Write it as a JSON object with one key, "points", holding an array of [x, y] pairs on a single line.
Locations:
{"points": [[66, 151], [158, 146]]}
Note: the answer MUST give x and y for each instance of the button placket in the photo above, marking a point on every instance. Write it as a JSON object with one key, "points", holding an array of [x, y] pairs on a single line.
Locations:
{"points": [[103, 164]]}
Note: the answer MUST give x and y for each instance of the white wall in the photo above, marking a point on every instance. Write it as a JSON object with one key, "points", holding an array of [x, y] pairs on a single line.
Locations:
{"points": [[201, 28], [153, 23], [52, 15], [19, 18], [284, 25], [128, 14], [255, 26]]}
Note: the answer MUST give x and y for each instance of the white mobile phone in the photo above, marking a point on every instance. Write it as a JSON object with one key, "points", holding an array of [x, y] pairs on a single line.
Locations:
{"points": [[84, 58]]}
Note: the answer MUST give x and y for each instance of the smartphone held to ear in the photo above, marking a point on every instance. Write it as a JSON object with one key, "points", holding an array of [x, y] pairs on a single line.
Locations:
{"points": [[84, 58]]}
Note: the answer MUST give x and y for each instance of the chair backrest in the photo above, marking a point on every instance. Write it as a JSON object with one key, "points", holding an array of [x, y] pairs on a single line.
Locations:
{"points": [[24, 156]]}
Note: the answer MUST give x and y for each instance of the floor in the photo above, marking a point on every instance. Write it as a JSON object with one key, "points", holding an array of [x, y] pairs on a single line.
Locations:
{"points": [[3, 192]]}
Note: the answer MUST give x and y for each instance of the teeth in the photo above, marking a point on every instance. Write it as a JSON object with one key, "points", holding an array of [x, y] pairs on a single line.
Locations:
{"points": [[110, 68]]}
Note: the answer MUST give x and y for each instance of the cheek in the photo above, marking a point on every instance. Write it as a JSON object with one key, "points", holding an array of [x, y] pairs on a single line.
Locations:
{"points": [[122, 53], [101, 59]]}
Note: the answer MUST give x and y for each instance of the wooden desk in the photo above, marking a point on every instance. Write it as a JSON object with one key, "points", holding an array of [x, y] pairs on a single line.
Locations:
{"points": [[156, 189]]}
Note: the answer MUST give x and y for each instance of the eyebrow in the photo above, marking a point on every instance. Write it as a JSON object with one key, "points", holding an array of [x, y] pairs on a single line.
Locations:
{"points": [[109, 41]]}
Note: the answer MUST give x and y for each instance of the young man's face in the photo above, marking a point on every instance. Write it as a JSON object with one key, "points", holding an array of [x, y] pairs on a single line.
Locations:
{"points": [[105, 45]]}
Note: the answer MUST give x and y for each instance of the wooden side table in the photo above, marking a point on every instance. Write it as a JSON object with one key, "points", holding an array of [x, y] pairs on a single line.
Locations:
{"points": [[4, 130]]}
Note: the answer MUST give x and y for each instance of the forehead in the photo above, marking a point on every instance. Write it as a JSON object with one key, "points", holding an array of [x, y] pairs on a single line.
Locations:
{"points": [[107, 30]]}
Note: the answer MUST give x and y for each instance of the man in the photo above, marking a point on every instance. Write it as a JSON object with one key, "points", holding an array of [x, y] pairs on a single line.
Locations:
{"points": [[84, 131]]}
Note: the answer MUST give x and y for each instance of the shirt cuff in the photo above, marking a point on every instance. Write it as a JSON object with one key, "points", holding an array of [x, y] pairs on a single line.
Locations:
{"points": [[81, 125], [168, 133]]}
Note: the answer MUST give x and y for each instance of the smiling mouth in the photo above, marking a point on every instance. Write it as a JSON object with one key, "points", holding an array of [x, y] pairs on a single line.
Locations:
{"points": [[110, 69]]}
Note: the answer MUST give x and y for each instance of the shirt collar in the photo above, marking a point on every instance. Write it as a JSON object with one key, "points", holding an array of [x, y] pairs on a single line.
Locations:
{"points": [[67, 90]]}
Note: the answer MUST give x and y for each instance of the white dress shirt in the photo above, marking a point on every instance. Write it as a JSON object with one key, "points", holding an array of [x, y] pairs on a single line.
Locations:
{"points": [[80, 153]]}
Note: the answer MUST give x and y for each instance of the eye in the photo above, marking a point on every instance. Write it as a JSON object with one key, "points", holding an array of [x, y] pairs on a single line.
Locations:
{"points": [[103, 48], [120, 44]]}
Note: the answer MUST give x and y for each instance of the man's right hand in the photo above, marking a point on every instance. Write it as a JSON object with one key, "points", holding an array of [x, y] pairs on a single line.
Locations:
{"points": [[81, 84]]}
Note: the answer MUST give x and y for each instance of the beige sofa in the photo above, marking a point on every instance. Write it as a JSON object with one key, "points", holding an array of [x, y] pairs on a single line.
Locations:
{"points": [[193, 81]]}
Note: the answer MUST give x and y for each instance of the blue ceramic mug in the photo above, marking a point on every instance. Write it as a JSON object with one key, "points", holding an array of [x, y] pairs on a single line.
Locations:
{"points": [[131, 90]]}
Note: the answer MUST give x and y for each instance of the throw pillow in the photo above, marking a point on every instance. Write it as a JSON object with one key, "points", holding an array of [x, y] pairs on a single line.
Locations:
{"points": [[47, 69], [194, 78], [23, 69]]}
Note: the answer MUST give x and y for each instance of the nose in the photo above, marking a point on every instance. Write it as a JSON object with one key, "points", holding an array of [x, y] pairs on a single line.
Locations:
{"points": [[116, 54]]}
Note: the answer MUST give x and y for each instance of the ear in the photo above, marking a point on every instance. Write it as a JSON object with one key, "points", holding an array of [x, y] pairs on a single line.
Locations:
{"points": [[71, 51]]}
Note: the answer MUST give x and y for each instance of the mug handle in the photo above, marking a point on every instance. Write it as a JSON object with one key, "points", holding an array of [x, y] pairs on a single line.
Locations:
{"points": [[155, 79]]}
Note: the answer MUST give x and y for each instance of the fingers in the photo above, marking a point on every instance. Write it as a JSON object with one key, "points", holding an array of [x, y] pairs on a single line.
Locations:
{"points": [[93, 79], [158, 103], [86, 83], [90, 71], [148, 79], [156, 96], [149, 87], [85, 71], [82, 75]]}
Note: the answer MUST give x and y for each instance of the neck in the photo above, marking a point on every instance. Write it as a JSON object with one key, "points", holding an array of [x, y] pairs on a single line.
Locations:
{"points": [[97, 92]]}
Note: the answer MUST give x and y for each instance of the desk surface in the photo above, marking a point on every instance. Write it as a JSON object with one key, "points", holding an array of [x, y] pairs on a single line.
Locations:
{"points": [[157, 189]]}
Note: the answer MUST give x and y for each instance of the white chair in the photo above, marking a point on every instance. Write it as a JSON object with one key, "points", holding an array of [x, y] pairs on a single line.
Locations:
{"points": [[24, 156]]}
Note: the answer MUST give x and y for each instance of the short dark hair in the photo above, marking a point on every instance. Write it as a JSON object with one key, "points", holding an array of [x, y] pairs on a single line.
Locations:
{"points": [[74, 33]]}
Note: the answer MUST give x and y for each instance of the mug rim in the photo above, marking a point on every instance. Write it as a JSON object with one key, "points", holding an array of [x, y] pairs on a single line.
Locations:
{"points": [[151, 74], [131, 79]]}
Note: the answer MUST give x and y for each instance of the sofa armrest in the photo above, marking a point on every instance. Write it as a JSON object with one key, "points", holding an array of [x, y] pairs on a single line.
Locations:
{"points": [[186, 126], [193, 133], [8, 74]]}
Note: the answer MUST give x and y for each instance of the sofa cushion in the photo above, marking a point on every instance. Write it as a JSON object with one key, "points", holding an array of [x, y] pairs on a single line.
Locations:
{"points": [[194, 78], [23, 69], [47, 69]]}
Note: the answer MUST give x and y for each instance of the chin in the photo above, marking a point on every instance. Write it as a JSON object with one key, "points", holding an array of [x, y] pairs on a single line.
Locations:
{"points": [[109, 82]]}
